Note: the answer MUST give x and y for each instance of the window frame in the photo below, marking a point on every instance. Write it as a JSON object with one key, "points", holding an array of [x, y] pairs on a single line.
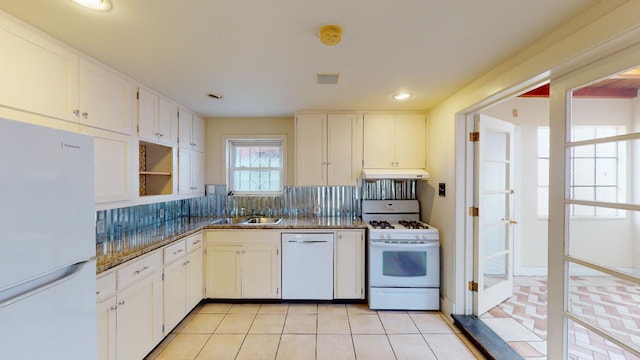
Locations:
{"points": [[257, 140], [621, 164]]}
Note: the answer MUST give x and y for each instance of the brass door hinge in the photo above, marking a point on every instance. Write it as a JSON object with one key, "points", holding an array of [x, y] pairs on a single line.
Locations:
{"points": [[474, 136], [473, 286], [474, 211]]}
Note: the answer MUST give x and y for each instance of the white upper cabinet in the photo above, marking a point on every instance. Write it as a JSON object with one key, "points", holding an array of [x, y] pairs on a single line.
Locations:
{"points": [[191, 172], [394, 141], [328, 149], [191, 130], [38, 75], [157, 118], [44, 77], [105, 98]]}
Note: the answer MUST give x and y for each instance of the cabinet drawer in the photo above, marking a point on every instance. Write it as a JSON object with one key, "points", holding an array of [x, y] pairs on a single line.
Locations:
{"points": [[194, 241], [174, 252], [139, 269], [105, 286]]}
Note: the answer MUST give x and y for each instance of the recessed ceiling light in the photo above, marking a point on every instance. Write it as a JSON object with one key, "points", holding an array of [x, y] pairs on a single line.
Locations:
{"points": [[100, 5], [402, 95]]}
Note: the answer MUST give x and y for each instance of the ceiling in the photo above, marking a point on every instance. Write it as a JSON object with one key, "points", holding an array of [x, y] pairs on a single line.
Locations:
{"points": [[262, 56]]}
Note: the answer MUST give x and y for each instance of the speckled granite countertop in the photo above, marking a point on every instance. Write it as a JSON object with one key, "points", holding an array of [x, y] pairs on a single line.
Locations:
{"points": [[127, 246], [299, 223]]}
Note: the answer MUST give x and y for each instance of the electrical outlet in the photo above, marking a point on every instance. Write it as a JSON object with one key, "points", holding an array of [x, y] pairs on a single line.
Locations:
{"points": [[161, 213], [316, 210], [442, 190], [100, 226]]}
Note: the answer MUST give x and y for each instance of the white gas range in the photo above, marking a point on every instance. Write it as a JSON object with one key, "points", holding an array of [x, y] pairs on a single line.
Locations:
{"points": [[404, 256]]}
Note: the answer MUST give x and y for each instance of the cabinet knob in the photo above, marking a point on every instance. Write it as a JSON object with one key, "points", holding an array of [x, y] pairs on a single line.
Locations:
{"points": [[161, 135], [76, 112], [121, 302], [113, 308], [85, 115]]}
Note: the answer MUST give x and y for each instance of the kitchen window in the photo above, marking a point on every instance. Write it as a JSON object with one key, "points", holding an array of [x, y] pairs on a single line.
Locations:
{"points": [[597, 171], [256, 166]]}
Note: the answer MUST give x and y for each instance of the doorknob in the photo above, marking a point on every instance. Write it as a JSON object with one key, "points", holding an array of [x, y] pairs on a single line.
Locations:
{"points": [[510, 221]]}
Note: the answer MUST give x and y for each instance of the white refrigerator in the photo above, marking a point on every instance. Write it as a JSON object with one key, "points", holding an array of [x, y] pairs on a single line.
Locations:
{"points": [[47, 244]]}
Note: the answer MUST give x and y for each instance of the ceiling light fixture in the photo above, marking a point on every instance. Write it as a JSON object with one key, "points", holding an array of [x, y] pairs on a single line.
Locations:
{"points": [[330, 34], [402, 95], [100, 5]]}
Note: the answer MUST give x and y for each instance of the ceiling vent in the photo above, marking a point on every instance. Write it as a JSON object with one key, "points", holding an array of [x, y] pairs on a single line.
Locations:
{"points": [[323, 79]]}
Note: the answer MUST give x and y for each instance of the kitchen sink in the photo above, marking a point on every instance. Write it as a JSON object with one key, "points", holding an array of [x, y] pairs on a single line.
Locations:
{"points": [[228, 220], [254, 220], [263, 220]]}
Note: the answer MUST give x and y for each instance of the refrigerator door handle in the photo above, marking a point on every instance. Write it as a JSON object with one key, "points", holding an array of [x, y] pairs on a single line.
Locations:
{"points": [[30, 287]]}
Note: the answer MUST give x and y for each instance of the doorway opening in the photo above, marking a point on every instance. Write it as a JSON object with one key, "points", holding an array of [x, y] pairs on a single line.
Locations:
{"points": [[601, 279]]}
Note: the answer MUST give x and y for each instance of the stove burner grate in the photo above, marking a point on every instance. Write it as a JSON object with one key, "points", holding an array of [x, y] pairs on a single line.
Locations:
{"points": [[413, 224], [380, 224]]}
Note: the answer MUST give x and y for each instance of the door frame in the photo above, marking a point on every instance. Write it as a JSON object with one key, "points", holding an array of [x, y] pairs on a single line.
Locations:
{"points": [[465, 156]]}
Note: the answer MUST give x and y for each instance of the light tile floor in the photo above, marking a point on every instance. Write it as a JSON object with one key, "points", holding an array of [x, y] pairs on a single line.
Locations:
{"points": [[521, 320], [312, 331]]}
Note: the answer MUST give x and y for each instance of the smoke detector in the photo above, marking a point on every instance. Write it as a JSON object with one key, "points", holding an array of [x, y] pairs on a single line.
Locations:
{"points": [[330, 34]]}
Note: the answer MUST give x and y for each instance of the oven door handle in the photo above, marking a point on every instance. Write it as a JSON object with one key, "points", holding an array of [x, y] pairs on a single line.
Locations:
{"points": [[404, 246]]}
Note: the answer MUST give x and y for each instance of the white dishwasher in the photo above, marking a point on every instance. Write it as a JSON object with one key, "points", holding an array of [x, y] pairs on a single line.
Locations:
{"points": [[307, 266]]}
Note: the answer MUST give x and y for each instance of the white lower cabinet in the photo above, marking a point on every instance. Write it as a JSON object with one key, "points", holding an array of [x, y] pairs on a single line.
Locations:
{"points": [[182, 279], [242, 264], [153, 294], [139, 318], [349, 254], [174, 285], [194, 277], [106, 315]]}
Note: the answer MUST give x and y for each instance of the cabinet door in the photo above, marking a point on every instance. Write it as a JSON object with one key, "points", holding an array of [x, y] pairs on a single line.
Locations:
{"points": [[185, 123], [184, 171], [191, 172], [174, 294], [167, 122], [311, 148], [139, 318], [197, 172], [194, 278], [148, 115], [410, 141], [113, 156], [105, 98], [197, 134], [340, 130], [260, 272], [222, 271], [349, 265], [378, 141], [106, 317], [42, 74]]}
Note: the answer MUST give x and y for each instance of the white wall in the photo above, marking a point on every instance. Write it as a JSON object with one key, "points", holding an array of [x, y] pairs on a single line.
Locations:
{"points": [[605, 28]]}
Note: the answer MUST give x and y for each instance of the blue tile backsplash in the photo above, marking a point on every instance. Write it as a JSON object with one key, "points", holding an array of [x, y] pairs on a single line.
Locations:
{"points": [[144, 224]]}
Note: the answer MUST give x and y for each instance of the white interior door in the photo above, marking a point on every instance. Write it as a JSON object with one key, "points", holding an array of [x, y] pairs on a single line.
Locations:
{"points": [[493, 196]]}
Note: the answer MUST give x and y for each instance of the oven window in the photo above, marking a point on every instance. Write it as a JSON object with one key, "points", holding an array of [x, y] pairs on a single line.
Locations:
{"points": [[404, 263]]}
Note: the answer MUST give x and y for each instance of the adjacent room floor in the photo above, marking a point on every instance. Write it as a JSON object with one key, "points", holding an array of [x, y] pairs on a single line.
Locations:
{"points": [[521, 320], [312, 331]]}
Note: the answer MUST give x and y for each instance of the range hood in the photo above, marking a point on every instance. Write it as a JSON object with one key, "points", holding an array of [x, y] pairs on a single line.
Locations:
{"points": [[414, 174]]}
